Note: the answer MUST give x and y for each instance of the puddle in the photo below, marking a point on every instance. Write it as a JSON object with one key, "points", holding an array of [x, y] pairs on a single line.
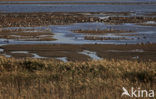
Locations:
{"points": [[1, 50], [135, 57], [8, 56], [137, 50], [104, 17], [93, 55], [37, 56], [2, 44], [20, 52], [26, 52], [64, 59], [150, 22]]}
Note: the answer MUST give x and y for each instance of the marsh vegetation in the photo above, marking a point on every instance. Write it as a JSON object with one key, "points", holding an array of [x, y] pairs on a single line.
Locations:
{"points": [[46, 79]]}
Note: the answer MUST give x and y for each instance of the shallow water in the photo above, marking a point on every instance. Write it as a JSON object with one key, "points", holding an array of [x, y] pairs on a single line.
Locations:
{"points": [[64, 59], [37, 56], [77, 8], [20, 52], [77, 1], [65, 35], [52, 6], [1, 50], [92, 55], [8, 56]]}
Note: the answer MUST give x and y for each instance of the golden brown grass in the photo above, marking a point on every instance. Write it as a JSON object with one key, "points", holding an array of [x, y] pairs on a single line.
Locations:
{"points": [[42, 19], [63, 18], [50, 79]]}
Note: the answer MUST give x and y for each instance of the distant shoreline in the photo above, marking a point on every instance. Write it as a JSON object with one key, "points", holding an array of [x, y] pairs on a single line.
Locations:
{"points": [[112, 2], [70, 0], [58, 0]]}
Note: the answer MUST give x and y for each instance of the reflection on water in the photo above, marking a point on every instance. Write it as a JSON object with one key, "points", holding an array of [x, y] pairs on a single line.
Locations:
{"points": [[135, 57], [65, 35], [20, 52], [64, 59], [52, 6], [1, 50], [150, 22], [37, 56], [8, 56], [90, 54], [104, 1]]}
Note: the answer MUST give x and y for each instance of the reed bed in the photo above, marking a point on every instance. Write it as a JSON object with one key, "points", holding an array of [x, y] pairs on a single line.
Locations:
{"points": [[50, 79]]}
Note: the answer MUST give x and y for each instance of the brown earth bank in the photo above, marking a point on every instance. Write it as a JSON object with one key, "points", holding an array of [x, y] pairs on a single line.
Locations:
{"points": [[61, 18], [105, 38], [140, 52], [27, 34], [111, 30], [42, 19]]}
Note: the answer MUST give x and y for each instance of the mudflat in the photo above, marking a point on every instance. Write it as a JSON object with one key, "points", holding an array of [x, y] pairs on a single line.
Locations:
{"points": [[77, 52]]}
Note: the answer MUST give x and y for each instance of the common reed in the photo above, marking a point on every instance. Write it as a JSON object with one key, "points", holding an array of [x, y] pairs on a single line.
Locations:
{"points": [[50, 79]]}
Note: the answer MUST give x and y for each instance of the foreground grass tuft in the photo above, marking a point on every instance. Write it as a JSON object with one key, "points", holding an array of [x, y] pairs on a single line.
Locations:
{"points": [[51, 79]]}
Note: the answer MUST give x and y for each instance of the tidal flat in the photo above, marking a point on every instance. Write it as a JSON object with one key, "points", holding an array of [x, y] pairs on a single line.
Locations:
{"points": [[143, 52], [76, 49]]}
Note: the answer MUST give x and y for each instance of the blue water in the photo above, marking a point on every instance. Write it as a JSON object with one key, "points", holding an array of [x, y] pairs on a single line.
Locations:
{"points": [[91, 7], [104, 1], [63, 33]]}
